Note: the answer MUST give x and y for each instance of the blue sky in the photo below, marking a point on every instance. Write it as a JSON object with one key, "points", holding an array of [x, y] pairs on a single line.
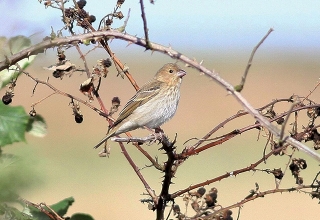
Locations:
{"points": [[208, 23]]}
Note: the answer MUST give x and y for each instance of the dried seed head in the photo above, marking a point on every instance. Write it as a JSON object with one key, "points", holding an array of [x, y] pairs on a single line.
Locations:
{"points": [[33, 113], [176, 209], [119, 15], [115, 101], [108, 22], [69, 12]]}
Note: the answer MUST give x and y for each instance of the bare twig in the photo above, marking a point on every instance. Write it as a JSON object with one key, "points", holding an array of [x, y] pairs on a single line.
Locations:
{"points": [[243, 79], [145, 26], [137, 170]]}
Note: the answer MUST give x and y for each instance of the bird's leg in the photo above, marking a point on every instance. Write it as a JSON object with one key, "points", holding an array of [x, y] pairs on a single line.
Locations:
{"points": [[158, 132]]}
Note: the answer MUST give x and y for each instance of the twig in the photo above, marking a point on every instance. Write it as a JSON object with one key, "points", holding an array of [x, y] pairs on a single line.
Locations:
{"points": [[137, 171], [316, 86], [286, 122], [145, 27], [243, 79], [57, 91], [233, 173]]}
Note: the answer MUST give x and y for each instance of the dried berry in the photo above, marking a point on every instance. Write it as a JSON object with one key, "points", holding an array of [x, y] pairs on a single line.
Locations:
{"points": [[227, 215], [106, 63], [280, 121], [302, 164], [7, 98], [81, 3], [92, 19], [278, 174], [211, 198], [78, 118], [201, 191], [57, 73]]}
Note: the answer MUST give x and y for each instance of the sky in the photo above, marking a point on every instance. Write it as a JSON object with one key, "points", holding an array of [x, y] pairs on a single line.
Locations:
{"points": [[208, 23]]}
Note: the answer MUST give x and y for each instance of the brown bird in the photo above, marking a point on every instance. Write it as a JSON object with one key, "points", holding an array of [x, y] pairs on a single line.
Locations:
{"points": [[154, 103]]}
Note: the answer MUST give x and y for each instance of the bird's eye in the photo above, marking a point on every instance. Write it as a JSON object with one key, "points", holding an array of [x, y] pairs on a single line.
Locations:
{"points": [[170, 71]]}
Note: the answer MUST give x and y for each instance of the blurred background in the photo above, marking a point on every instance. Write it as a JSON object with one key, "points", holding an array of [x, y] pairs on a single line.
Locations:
{"points": [[222, 34]]}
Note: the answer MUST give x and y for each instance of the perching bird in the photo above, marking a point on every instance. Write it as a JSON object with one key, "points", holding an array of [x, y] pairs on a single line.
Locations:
{"points": [[154, 103]]}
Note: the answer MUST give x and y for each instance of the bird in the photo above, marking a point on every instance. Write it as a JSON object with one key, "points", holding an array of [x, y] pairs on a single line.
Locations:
{"points": [[154, 103]]}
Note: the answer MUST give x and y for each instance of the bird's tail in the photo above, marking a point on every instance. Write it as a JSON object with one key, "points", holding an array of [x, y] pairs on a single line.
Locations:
{"points": [[109, 135]]}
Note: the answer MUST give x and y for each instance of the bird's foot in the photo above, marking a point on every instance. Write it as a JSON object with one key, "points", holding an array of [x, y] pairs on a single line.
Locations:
{"points": [[158, 136]]}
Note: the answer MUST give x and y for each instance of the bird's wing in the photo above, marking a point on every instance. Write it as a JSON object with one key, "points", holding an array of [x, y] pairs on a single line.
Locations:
{"points": [[143, 95]]}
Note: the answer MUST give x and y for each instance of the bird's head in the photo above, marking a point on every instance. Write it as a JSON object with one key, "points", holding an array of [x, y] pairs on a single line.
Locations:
{"points": [[171, 74]]}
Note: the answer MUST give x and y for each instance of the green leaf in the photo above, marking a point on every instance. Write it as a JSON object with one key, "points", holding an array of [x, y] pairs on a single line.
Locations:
{"points": [[13, 124], [62, 207], [81, 216], [37, 126], [9, 47]]}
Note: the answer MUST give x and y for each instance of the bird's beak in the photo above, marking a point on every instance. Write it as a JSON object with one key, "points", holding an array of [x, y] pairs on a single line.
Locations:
{"points": [[181, 73]]}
